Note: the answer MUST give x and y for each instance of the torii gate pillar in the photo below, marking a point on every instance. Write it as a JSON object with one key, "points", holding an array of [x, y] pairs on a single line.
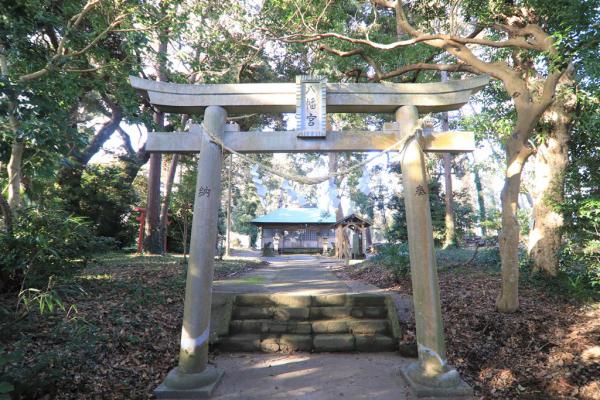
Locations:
{"points": [[193, 375], [429, 376]]}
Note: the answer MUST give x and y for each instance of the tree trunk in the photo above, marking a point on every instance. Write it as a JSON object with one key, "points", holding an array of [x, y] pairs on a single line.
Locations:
{"points": [[480, 199], [550, 163], [341, 239], [14, 167], [450, 231], [69, 176], [186, 230], [15, 171], [164, 212], [516, 155], [228, 233], [369, 237], [7, 214], [450, 234], [133, 160], [152, 243]]}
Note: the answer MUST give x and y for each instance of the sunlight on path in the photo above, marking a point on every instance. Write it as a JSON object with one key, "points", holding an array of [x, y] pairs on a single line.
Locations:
{"points": [[306, 376]]}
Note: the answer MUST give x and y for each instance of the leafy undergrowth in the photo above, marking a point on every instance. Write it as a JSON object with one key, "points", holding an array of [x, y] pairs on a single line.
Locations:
{"points": [[116, 338], [549, 349]]}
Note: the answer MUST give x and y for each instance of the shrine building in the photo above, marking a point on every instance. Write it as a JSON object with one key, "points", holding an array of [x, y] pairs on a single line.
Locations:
{"points": [[296, 230]]}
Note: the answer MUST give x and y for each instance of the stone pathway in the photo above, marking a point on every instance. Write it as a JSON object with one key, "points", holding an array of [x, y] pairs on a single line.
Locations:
{"points": [[294, 274], [306, 376], [302, 274]]}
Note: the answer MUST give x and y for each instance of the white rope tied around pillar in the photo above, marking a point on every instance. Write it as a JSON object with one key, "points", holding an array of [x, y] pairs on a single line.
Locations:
{"points": [[400, 144]]}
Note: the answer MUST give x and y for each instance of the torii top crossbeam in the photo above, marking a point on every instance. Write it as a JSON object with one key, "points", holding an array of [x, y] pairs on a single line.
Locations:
{"points": [[282, 97], [312, 98]]}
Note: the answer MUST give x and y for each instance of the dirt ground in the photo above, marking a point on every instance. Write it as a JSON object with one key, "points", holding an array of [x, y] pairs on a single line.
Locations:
{"points": [[117, 336], [549, 349]]}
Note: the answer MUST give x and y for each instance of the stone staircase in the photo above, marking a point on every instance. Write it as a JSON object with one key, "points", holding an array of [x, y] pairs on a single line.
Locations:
{"points": [[317, 323]]}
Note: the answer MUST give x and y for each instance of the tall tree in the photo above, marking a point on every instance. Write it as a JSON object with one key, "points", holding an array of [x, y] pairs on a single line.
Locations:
{"points": [[46, 63], [450, 234], [152, 241], [550, 163], [480, 199], [519, 47]]}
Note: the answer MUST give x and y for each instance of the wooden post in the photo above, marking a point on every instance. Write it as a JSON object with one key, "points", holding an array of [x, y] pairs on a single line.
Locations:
{"points": [[193, 373], [430, 375], [228, 237], [363, 240]]}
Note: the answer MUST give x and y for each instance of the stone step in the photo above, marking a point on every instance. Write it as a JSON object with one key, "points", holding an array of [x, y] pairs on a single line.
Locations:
{"points": [[356, 326], [269, 326], [307, 313], [275, 313], [296, 301], [326, 342], [350, 325]]}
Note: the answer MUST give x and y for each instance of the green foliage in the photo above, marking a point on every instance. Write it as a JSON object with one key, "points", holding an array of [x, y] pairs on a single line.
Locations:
{"points": [[106, 199], [464, 215], [244, 212], [393, 257], [45, 242], [5, 359], [182, 205], [580, 257]]}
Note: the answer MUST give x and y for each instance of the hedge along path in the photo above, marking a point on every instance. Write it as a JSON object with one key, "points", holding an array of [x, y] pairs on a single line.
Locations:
{"points": [[306, 180]]}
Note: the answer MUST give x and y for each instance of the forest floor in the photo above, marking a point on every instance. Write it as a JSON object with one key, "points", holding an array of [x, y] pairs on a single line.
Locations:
{"points": [[549, 349], [118, 333], [116, 338]]}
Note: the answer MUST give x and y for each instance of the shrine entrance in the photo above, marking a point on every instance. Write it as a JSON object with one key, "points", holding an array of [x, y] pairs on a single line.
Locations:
{"points": [[311, 98]]}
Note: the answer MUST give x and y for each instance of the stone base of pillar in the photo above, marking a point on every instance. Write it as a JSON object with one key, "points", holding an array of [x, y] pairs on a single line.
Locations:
{"points": [[189, 386], [447, 385]]}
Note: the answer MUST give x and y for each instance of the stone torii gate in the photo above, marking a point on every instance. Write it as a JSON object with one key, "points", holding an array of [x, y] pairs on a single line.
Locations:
{"points": [[311, 98]]}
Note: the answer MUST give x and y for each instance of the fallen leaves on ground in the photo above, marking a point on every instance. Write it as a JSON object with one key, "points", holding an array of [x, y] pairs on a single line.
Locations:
{"points": [[117, 341], [549, 349]]}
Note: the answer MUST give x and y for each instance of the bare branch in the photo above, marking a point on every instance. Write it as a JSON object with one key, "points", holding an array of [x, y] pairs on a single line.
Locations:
{"points": [[459, 67], [442, 39], [429, 67], [341, 53], [126, 141], [356, 52], [385, 3], [61, 52], [108, 29], [303, 38], [549, 90]]}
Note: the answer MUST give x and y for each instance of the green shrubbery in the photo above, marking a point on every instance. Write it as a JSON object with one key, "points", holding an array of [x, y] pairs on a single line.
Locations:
{"points": [[580, 256], [393, 257], [106, 200], [45, 243], [464, 215]]}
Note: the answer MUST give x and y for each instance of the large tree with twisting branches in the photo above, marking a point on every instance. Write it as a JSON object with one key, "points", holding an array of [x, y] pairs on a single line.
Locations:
{"points": [[530, 47]]}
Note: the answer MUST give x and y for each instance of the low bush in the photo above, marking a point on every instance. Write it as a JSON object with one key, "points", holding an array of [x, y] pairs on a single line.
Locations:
{"points": [[45, 243], [393, 257]]}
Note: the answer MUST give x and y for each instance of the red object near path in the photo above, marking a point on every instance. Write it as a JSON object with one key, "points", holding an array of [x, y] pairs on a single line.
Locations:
{"points": [[142, 220]]}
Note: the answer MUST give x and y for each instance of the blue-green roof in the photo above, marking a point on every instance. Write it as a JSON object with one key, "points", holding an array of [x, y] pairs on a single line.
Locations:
{"points": [[296, 216]]}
